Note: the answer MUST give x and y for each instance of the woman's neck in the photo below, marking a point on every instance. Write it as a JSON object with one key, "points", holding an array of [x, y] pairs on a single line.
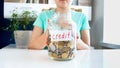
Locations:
{"points": [[62, 10]]}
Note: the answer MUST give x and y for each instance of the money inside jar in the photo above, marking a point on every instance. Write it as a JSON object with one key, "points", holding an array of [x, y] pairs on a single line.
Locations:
{"points": [[62, 45]]}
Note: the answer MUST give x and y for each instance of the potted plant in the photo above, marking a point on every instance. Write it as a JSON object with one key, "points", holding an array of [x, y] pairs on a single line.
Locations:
{"points": [[20, 26]]}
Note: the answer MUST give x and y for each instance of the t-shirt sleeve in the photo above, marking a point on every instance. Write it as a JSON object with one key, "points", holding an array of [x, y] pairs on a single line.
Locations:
{"points": [[85, 23], [39, 21]]}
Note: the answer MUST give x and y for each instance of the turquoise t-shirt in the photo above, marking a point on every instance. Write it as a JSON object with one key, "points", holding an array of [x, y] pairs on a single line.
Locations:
{"points": [[79, 18]]}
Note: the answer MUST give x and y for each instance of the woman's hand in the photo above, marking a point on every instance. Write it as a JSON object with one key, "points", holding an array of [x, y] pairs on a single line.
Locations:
{"points": [[83, 42], [39, 38], [81, 45]]}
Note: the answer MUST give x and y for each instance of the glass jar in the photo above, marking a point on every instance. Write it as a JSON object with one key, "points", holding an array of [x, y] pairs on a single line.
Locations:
{"points": [[62, 37]]}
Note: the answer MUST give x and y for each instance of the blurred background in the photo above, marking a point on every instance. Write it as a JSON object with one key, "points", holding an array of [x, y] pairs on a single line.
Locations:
{"points": [[103, 35]]}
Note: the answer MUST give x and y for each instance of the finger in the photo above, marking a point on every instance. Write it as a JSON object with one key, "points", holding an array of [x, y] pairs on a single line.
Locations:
{"points": [[77, 37], [50, 25], [49, 22]]}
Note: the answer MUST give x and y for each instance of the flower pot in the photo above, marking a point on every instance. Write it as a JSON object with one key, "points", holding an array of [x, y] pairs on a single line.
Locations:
{"points": [[22, 38]]}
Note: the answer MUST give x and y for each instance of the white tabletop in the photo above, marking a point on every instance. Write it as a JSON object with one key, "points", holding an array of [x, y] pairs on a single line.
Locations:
{"points": [[24, 58]]}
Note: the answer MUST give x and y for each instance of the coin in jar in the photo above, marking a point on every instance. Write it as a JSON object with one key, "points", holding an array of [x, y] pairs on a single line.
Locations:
{"points": [[60, 43], [64, 55], [65, 49], [52, 47], [69, 44], [54, 55], [60, 46], [71, 55], [55, 43]]}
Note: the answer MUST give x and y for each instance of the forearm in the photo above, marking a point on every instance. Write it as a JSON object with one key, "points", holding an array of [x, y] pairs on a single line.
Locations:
{"points": [[38, 43], [81, 45]]}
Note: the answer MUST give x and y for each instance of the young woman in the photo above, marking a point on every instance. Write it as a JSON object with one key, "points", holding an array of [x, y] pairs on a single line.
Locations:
{"points": [[40, 33]]}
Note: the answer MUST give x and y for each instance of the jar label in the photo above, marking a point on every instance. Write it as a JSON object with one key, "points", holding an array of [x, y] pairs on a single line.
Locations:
{"points": [[62, 35]]}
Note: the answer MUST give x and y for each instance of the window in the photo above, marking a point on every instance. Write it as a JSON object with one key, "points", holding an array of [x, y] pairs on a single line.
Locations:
{"points": [[111, 22]]}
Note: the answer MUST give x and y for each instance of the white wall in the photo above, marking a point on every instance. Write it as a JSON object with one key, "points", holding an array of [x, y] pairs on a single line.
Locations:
{"points": [[9, 7]]}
